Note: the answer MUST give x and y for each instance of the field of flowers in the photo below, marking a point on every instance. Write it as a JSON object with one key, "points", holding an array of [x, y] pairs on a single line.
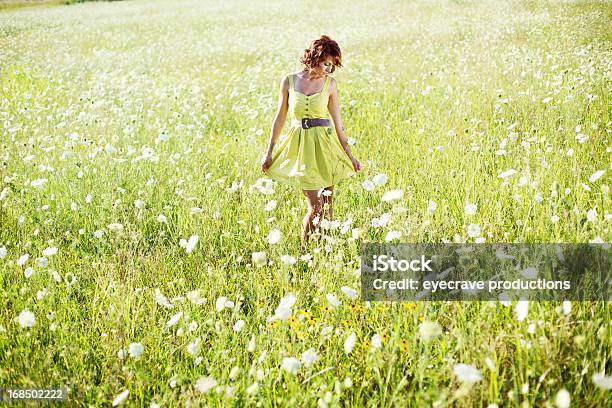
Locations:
{"points": [[145, 260]]}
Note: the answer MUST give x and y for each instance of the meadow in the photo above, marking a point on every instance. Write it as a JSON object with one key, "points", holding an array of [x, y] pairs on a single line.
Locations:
{"points": [[146, 260]]}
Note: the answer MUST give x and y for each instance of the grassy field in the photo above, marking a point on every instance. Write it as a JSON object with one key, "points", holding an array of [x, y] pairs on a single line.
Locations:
{"points": [[15, 4], [129, 128]]}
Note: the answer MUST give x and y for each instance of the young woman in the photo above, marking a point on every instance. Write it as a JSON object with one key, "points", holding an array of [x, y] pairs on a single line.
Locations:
{"points": [[314, 155]]}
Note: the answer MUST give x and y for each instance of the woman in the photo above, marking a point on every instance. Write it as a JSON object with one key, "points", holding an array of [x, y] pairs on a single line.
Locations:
{"points": [[312, 156]]}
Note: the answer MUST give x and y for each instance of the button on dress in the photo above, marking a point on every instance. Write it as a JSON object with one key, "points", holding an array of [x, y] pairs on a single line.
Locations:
{"points": [[310, 158]]}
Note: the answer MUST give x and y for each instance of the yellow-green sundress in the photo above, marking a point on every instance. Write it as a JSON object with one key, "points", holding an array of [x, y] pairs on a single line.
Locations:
{"points": [[311, 158]]}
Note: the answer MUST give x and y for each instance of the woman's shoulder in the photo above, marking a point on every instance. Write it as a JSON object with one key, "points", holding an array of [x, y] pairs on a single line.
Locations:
{"points": [[284, 79], [288, 77], [332, 82]]}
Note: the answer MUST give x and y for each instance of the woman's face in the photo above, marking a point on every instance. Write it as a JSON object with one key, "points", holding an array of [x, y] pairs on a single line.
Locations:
{"points": [[325, 67]]}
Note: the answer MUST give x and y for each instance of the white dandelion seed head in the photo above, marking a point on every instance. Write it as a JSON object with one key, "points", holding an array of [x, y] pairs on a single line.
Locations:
{"points": [[49, 251], [291, 365], [368, 185], [205, 384], [259, 259], [431, 207], [161, 300], [522, 309], [376, 341], [189, 244], [596, 176], [253, 389], [566, 307], [288, 259], [429, 330], [349, 343], [271, 205], [530, 272], [507, 174], [473, 230], [26, 319], [220, 303], [350, 292], [380, 179], [284, 309], [470, 208], [467, 373], [309, 357], [332, 299], [563, 398], [23, 259], [121, 398], [238, 325], [70, 279], [602, 381], [38, 182], [251, 345], [592, 215], [135, 349], [195, 297], [391, 235], [193, 348], [392, 195], [274, 236], [263, 185], [234, 373], [174, 319]]}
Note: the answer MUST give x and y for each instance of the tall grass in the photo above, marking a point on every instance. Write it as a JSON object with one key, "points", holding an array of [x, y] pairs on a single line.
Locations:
{"points": [[119, 113]]}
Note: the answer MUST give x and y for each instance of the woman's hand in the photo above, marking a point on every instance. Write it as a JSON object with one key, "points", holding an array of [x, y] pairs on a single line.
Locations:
{"points": [[266, 162], [356, 164]]}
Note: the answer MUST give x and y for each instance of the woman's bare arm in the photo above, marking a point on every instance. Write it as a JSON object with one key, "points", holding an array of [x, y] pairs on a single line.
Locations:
{"points": [[334, 110], [281, 114]]}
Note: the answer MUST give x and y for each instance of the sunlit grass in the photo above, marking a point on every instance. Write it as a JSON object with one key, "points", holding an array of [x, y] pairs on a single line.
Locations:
{"points": [[129, 126]]}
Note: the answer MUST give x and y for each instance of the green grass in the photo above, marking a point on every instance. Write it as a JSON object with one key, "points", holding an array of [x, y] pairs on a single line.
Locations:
{"points": [[15, 4], [429, 91]]}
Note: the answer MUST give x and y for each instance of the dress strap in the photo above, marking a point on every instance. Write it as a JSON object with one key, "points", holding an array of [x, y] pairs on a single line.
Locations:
{"points": [[291, 82], [326, 84]]}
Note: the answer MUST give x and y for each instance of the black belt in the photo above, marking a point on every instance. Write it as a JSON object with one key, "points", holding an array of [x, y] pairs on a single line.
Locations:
{"points": [[311, 122]]}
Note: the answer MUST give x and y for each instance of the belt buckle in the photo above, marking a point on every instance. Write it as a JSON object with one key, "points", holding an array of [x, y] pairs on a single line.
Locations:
{"points": [[305, 123]]}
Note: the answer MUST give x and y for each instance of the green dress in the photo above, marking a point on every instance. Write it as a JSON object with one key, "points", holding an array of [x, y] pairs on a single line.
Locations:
{"points": [[310, 158]]}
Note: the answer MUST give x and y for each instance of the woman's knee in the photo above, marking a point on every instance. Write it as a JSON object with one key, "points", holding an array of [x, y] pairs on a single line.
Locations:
{"points": [[315, 210]]}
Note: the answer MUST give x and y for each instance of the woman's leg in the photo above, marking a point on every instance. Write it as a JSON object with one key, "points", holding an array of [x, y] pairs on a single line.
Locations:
{"points": [[319, 205], [327, 196], [315, 209]]}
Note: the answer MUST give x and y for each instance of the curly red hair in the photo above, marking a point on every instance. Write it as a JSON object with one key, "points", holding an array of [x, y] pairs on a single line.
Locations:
{"points": [[319, 50]]}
